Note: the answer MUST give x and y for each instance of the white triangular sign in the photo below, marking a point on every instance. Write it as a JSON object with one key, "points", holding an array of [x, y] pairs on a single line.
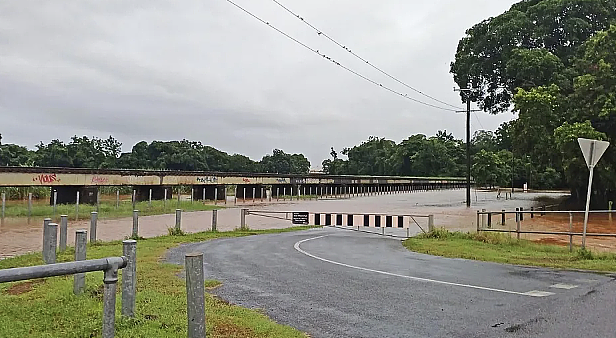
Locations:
{"points": [[592, 150]]}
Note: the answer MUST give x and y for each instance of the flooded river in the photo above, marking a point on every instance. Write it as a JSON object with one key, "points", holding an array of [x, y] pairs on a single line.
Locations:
{"points": [[448, 208]]}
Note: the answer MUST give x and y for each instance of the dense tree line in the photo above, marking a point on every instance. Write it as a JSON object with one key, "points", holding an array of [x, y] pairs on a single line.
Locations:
{"points": [[444, 156], [85, 152], [554, 63]]}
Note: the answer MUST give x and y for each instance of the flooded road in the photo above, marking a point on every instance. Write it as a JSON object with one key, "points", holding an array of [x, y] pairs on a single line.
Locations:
{"points": [[447, 206]]}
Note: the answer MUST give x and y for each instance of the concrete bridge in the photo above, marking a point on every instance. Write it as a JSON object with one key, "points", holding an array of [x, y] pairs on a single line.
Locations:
{"points": [[210, 185]]}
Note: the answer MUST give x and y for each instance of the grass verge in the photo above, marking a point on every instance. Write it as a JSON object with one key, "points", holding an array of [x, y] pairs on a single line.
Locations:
{"points": [[501, 248], [107, 209], [48, 308]]}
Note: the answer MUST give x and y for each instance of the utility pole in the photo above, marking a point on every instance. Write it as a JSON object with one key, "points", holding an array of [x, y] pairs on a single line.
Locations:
{"points": [[468, 111], [468, 149]]}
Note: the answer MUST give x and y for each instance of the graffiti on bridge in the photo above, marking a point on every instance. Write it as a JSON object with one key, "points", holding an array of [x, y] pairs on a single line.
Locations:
{"points": [[45, 178]]}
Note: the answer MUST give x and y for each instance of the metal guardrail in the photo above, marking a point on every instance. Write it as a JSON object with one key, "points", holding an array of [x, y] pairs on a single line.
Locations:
{"points": [[519, 218], [110, 266]]}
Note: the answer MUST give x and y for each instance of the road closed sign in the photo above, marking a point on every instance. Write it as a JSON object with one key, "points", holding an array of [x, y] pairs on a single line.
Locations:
{"points": [[300, 218]]}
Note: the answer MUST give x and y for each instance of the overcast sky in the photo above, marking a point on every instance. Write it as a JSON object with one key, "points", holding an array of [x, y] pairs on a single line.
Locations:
{"points": [[206, 71]]}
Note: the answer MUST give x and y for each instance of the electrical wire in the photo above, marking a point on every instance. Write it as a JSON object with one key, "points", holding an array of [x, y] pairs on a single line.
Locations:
{"points": [[406, 96], [477, 117], [321, 33]]}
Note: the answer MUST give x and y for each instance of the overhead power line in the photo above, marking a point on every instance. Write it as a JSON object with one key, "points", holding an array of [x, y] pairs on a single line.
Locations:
{"points": [[321, 33], [478, 120], [406, 96]]}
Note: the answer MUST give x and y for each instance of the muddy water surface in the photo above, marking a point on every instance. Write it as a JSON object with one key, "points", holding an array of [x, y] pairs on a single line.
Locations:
{"points": [[18, 237]]}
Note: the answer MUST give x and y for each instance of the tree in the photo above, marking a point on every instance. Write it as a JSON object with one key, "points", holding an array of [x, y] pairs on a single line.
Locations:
{"points": [[53, 154], [573, 163], [532, 44], [492, 169], [15, 155], [299, 164]]}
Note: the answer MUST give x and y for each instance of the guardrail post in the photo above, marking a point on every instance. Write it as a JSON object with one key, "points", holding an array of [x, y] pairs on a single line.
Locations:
{"points": [[79, 279], [134, 198], [431, 223], [110, 282], [52, 242], [195, 295], [63, 231], [150, 198], [165, 200], [135, 223], [532, 214], [46, 222], [214, 220], [117, 198], [518, 222], [129, 278], [215, 195], [503, 218], [29, 206], [483, 218], [179, 195], [570, 232], [93, 222], [178, 219], [610, 205], [489, 220], [243, 213], [521, 214], [3, 206], [192, 195], [55, 202], [77, 207], [478, 225]]}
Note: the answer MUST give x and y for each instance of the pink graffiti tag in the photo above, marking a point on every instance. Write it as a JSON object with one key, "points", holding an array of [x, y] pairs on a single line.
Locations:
{"points": [[246, 180], [99, 180], [44, 178]]}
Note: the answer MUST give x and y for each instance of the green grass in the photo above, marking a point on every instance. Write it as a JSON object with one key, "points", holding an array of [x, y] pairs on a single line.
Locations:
{"points": [[503, 249], [48, 308], [107, 209]]}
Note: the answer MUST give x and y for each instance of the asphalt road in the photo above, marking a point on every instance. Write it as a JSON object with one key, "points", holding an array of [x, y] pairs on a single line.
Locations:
{"points": [[338, 283]]}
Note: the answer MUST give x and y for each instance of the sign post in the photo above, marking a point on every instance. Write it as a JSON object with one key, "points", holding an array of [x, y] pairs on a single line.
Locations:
{"points": [[592, 150]]}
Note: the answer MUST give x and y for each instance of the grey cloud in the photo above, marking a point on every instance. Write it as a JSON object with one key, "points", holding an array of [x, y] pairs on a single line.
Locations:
{"points": [[204, 70]]}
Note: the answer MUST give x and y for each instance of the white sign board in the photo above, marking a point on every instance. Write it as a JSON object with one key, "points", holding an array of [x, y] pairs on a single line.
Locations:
{"points": [[592, 150]]}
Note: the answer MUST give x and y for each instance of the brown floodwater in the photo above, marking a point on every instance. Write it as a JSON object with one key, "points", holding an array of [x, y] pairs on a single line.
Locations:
{"points": [[17, 236]]}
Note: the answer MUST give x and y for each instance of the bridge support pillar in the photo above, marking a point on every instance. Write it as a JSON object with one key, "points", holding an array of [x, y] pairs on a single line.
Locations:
{"points": [[251, 189], [142, 192], [212, 192], [68, 194]]}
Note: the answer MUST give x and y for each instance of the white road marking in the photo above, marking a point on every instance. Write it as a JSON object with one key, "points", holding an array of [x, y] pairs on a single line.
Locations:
{"points": [[533, 293], [564, 286], [537, 293]]}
